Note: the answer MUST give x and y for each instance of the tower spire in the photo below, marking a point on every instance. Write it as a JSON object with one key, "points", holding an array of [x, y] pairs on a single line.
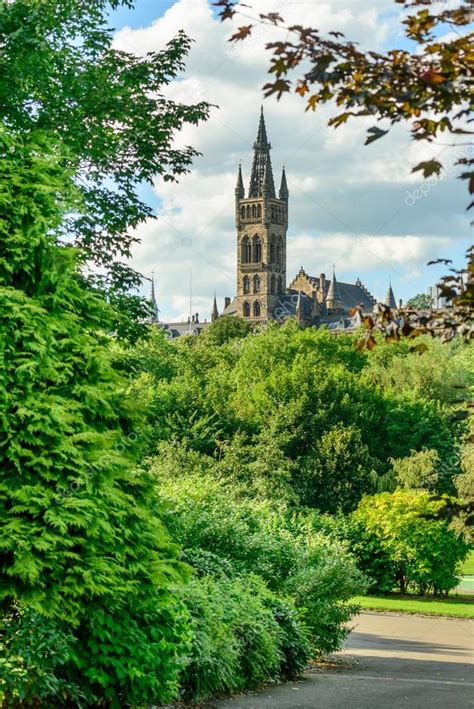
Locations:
{"points": [[154, 316], [261, 163], [283, 185], [390, 298], [239, 187], [215, 312], [333, 298]]}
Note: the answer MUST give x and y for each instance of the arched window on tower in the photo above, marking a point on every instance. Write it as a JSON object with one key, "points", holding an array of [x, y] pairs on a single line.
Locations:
{"points": [[273, 212], [259, 211], [242, 212], [272, 248], [246, 309], [279, 254], [256, 309], [254, 211], [246, 250], [272, 285], [280, 284], [248, 211], [257, 249], [256, 284], [246, 284]]}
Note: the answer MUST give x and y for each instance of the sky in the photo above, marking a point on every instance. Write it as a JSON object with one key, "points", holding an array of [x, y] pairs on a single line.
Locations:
{"points": [[356, 207]]}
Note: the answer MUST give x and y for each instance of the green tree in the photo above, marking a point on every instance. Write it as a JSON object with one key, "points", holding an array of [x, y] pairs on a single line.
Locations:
{"points": [[417, 471], [424, 553], [228, 328], [61, 74], [422, 301], [337, 471], [81, 538]]}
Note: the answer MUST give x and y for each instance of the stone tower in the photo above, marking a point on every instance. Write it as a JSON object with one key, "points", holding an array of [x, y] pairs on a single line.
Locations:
{"points": [[261, 220]]}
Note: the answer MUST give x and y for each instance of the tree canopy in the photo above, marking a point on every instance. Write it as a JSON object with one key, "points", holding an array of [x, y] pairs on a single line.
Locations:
{"points": [[108, 108]]}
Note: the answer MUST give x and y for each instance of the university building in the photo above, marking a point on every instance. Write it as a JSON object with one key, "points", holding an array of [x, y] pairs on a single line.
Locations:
{"points": [[262, 294]]}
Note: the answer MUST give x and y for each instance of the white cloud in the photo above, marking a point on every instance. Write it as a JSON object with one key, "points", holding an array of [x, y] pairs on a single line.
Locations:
{"points": [[348, 202]]}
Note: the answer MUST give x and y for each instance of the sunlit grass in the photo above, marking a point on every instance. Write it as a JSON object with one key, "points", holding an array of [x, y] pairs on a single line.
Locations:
{"points": [[452, 607]]}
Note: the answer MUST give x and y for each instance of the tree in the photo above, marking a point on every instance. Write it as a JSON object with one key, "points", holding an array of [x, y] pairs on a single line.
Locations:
{"points": [[337, 472], [227, 328], [60, 74], [417, 471], [428, 86], [422, 301], [81, 538], [424, 554]]}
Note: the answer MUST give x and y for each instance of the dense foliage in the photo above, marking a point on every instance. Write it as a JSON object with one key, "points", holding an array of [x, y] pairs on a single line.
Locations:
{"points": [[223, 529], [300, 411], [81, 538]]}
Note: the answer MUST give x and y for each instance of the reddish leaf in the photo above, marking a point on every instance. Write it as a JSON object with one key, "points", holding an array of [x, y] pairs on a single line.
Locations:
{"points": [[242, 33]]}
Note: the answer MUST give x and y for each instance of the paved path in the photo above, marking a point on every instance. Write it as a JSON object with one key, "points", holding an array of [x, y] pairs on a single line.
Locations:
{"points": [[389, 662]]}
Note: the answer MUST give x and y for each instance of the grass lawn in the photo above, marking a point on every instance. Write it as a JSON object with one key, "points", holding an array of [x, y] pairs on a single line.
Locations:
{"points": [[454, 607], [468, 566]]}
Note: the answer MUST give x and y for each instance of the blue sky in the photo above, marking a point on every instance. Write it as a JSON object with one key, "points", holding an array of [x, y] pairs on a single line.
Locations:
{"points": [[143, 14], [355, 206]]}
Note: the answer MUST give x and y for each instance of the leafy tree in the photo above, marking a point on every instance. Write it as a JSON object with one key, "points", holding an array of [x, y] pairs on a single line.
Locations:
{"points": [[339, 470], [61, 74], [428, 86], [442, 372], [81, 538], [424, 554], [228, 328], [417, 471], [422, 301]]}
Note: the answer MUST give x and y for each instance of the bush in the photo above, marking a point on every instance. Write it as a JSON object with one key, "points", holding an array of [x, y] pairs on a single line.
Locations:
{"points": [[33, 654], [422, 552], [237, 535], [242, 635]]}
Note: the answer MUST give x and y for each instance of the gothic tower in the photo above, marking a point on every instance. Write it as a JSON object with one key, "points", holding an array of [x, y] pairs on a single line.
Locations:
{"points": [[261, 220]]}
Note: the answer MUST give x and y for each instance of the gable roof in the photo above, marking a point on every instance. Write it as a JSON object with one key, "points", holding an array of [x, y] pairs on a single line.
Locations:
{"points": [[351, 294]]}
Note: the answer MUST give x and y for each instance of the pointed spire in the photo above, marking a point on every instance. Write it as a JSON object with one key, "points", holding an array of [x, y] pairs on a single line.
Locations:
{"points": [[154, 316], [390, 298], [333, 298], [268, 187], [262, 140], [283, 185], [239, 187], [215, 312], [262, 167]]}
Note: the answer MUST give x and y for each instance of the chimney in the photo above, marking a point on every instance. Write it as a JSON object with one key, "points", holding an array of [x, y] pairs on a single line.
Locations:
{"points": [[226, 302], [322, 282]]}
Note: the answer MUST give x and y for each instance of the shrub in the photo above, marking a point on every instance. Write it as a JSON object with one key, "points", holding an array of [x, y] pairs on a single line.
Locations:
{"points": [[33, 653], [240, 535], [242, 635]]}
